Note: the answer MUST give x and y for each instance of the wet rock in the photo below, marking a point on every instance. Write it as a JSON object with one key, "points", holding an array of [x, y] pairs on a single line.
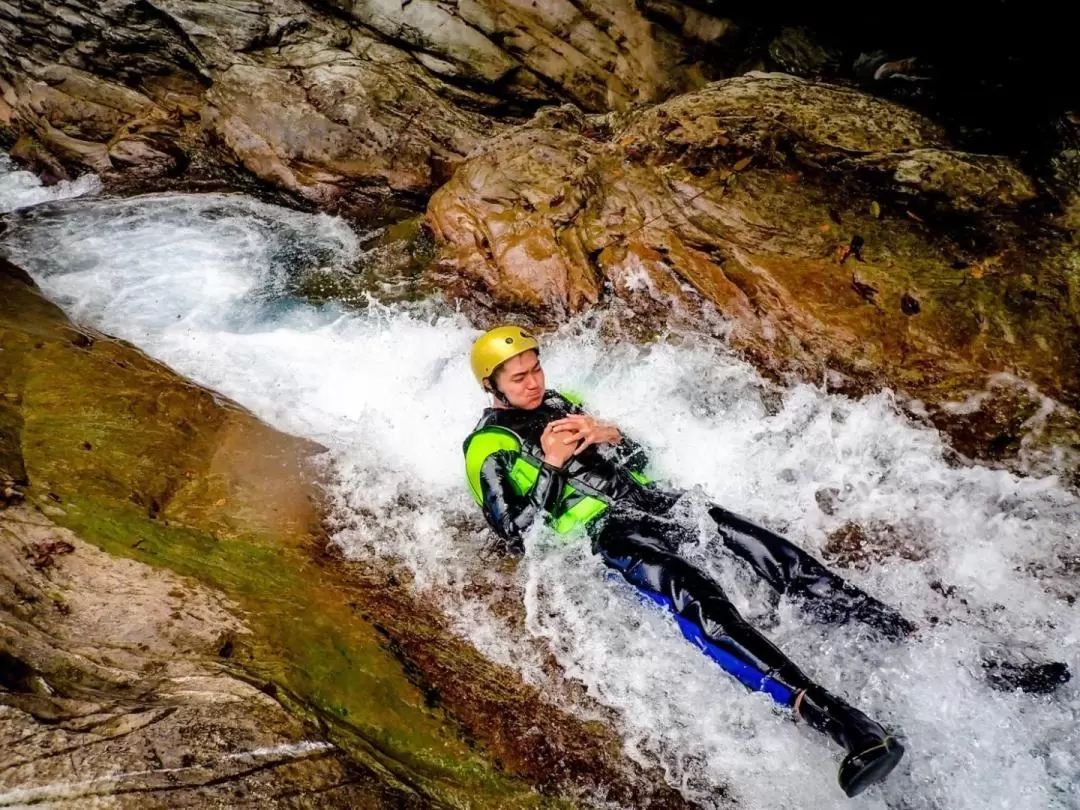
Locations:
{"points": [[827, 499], [795, 50], [172, 610], [1034, 678], [144, 154], [390, 268], [808, 217], [856, 545], [108, 661], [879, 66], [348, 106], [967, 183], [316, 138], [30, 153], [1012, 419], [1064, 166], [9, 494]]}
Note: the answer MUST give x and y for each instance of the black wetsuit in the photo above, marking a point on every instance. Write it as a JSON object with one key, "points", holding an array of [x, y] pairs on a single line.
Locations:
{"points": [[638, 531], [639, 536]]}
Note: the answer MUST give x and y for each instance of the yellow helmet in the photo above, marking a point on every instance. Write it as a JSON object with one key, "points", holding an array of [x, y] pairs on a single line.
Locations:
{"points": [[496, 346]]}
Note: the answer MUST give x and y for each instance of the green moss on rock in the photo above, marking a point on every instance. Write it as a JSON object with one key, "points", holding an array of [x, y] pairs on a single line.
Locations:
{"points": [[146, 465]]}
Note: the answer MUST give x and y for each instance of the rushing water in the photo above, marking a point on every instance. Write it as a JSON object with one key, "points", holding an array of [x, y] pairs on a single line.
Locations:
{"points": [[19, 189], [206, 284]]}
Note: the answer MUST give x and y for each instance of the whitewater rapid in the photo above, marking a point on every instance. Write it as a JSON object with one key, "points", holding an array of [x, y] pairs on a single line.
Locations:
{"points": [[19, 189], [207, 284]]}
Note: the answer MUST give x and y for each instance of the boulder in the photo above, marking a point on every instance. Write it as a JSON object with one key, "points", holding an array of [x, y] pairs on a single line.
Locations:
{"points": [[840, 237], [118, 666], [358, 107], [173, 614]]}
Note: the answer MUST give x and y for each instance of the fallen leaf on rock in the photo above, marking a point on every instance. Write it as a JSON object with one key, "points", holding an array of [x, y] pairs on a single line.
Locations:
{"points": [[41, 554], [865, 291], [742, 163]]}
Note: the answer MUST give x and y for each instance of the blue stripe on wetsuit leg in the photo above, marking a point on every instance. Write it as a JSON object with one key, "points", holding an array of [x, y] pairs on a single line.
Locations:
{"points": [[750, 676]]}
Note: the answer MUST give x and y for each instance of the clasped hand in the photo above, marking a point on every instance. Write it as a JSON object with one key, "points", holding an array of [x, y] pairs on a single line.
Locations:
{"points": [[569, 436]]}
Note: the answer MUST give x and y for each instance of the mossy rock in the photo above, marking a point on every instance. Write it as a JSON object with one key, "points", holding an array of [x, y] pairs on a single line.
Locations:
{"points": [[833, 235], [146, 465]]}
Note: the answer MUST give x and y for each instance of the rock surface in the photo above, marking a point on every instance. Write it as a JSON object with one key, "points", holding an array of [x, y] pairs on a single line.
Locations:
{"points": [[349, 105], [195, 499], [827, 234], [113, 692], [841, 238]]}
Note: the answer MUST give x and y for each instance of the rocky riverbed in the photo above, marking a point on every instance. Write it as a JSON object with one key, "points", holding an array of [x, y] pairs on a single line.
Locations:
{"points": [[176, 630], [815, 237]]}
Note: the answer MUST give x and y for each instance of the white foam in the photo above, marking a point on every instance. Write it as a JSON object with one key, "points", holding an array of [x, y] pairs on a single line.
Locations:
{"points": [[19, 189], [201, 282]]}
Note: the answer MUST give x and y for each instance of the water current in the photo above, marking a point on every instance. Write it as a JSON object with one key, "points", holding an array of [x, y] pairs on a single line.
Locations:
{"points": [[985, 561]]}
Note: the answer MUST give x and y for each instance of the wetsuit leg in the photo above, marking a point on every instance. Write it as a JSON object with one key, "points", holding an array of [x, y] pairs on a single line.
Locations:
{"points": [[791, 570], [642, 551]]}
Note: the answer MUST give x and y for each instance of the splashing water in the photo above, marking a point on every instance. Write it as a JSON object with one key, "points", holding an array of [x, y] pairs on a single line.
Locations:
{"points": [[980, 559], [22, 189]]}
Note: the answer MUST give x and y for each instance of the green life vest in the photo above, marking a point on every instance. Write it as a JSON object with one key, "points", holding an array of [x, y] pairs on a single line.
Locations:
{"points": [[583, 508]]}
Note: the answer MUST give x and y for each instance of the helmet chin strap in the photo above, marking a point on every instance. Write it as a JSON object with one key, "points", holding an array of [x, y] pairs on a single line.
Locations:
{"points": [[495, 392]]}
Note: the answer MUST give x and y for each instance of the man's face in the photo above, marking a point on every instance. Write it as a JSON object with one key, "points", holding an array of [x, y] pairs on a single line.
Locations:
{"points": [[521, 379]]}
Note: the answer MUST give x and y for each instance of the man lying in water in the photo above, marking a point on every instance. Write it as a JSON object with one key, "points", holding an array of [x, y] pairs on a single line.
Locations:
{"points": [[536, 454]]}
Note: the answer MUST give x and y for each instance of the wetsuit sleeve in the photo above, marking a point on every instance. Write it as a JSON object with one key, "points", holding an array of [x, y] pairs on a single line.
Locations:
{"points": [[510, 513], [631, 455]]}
